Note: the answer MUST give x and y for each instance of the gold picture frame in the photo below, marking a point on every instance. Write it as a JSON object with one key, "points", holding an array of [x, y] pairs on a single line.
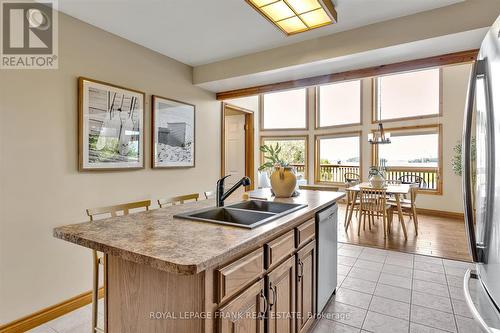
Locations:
{"points": [[110, 127]]}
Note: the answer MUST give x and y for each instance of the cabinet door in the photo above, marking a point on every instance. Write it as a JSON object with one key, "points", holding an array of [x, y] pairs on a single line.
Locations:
{"points": [[244, 314], [306, 286], [281, 296]]}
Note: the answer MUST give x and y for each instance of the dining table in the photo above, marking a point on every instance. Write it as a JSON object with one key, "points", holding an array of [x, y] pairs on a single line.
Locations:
{"points": [[395, 190]]}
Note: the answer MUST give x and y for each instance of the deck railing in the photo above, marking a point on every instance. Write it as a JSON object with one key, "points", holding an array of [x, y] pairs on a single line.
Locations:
{"points": [[335, 173], [430, 175], [299, 168]]}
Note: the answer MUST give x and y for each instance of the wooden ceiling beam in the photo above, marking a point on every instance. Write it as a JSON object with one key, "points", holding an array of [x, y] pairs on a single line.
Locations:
{"points": [[435, 61]]}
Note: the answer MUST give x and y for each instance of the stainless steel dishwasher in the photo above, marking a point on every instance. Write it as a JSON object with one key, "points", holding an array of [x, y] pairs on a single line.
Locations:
{"points": [[326, 243]]}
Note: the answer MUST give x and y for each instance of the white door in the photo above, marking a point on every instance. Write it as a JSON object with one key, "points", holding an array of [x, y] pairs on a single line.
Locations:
{"points": [[235, 148]]}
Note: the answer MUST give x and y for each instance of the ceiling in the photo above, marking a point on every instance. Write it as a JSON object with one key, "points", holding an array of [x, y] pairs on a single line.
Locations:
{"points": [[198, 32], [388, 55]]}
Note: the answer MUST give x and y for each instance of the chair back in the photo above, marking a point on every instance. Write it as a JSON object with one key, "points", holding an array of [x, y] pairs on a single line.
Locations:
{"points": [[180, 199], [114, 210], [351, 177], [209, 194], [413, 193], [372, 199], [413, 179]]}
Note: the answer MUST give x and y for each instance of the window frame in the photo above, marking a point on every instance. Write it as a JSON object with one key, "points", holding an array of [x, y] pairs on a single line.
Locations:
{"points": [[305, 138], [306, 111], [375, 97], [317, 111], [410, 129], [317, 157]]}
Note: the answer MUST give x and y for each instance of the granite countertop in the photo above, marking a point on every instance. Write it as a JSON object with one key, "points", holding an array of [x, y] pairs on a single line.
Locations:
{"points": [[182, 246]]}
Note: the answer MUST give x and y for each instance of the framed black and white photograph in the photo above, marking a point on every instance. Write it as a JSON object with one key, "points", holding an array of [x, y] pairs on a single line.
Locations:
{"points": [[173, 137], [111, 126]]}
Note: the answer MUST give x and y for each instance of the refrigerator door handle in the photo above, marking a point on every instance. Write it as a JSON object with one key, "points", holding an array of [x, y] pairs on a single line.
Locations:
{"points": [[466, 169], [472, 307]]}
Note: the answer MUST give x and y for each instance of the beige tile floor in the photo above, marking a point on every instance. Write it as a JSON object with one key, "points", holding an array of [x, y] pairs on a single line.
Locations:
{"points": [[385, 291], [378, 291]]}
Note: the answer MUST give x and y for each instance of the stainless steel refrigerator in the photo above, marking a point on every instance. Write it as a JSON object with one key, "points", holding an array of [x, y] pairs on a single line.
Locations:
{"points": [[481, 183]]}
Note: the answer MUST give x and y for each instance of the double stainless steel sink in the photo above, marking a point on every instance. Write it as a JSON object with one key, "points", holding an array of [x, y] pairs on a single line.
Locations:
{"points": [[246, 214]]}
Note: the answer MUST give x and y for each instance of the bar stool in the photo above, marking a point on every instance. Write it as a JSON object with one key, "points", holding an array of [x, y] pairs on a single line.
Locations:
{"points": [[101, 260], [180, 199], [209, 194]]}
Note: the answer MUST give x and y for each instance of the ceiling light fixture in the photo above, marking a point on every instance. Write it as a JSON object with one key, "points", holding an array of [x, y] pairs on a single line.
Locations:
{"points": [[294, 16], [379, 137]]}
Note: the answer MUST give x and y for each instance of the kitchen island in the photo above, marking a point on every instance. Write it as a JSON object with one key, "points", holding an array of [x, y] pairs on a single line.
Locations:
{"points": [[167, 274]]}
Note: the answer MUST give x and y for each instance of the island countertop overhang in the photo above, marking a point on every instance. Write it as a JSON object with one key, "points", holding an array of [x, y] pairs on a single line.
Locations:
{"points": [[157, 239]]}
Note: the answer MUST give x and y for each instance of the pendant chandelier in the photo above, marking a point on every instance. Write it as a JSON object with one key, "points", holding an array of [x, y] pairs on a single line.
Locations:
{"points": [[379, 136]]}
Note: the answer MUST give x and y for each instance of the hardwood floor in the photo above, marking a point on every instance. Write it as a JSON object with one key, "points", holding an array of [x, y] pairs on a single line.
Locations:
{"points": [[437, 236]]}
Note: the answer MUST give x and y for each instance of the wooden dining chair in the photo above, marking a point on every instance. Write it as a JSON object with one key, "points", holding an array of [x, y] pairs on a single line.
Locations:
{"points": [[392, 182], [408, 206], [373, 204], [351, 177], [99, 259], [413, 179], [180, 199], [209, 194], [350, 197]]}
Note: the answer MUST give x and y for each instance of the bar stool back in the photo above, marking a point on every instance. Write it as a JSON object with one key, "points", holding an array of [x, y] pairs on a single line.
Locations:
{"points": [[98, 259], [180, 199], [209, 194]]}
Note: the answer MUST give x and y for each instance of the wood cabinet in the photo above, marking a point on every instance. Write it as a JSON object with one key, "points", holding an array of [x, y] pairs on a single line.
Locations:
{"points": [[305, 233], [245, 313], [306, 286], [280, 248], [283, 298], [236, 275], [281, 295]]}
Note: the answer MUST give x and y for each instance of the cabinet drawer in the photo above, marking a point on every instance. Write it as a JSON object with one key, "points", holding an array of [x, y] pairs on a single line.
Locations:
{"points": [[306, 232], [280, 248], [235, 276], [239, 315]]}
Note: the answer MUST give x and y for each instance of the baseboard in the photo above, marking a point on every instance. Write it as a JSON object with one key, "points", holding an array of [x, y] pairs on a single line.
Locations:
{"points": [[440, 213], [52, 312]]}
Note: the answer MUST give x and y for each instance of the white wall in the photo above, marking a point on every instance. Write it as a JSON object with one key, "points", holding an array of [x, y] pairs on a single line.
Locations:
{"points": [[455, 80], [39, 182]]}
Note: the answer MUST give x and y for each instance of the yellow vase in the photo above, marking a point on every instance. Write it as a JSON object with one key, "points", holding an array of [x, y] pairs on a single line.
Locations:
{"points": [[283, 182]]}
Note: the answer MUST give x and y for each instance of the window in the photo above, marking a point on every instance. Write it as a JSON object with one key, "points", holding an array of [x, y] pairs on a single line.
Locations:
{"points": [[285, 110], [293, 151], [408, 95], [412, 154], [339, 104], [337, 155]]}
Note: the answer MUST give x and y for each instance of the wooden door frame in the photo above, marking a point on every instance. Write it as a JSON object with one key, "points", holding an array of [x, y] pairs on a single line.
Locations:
{"points": [[249, 141]]}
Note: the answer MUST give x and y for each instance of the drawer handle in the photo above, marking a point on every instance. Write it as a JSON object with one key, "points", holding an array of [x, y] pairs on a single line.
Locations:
{"points": [[273, 291], [301, 270], [262, 314]]}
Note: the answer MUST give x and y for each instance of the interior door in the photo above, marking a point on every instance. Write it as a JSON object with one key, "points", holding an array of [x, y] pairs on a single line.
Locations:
{"points": [[234, 148]]}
